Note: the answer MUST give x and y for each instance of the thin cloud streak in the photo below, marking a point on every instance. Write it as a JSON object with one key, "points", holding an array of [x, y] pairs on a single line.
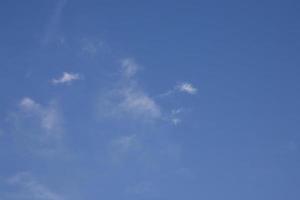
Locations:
{"points": [[52, 26]]}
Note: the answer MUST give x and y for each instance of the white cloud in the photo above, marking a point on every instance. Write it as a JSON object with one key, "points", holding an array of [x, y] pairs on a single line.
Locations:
{"points": [[66, 78], [48, 116], [129, 67], [30, 188], [184, 87], [37, 127], [128, 103], [136, 102], [187, 88], [27, 104], [126, 99]]}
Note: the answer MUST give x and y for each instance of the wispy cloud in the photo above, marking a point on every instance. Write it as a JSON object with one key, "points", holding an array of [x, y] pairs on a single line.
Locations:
{"points": [[52, 26], [184, 87], [27, 104], [38, 127], [128, 99], [30, 188], [134, 99], [129, 67], [187, 88], [66, 78], [136, 102], [176, 121], [174, 116], [49, 116]]}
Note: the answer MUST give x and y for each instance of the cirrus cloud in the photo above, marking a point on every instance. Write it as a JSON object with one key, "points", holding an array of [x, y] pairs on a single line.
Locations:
{"points": [[127, 99]]}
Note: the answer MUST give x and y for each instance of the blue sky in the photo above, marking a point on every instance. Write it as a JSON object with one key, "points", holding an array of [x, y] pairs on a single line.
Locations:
{"points": [[149, 100]]}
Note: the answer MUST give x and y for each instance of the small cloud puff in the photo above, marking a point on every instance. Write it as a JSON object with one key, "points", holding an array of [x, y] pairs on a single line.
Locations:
{"points": [[184, 87], [66, 78], [187, 88]]}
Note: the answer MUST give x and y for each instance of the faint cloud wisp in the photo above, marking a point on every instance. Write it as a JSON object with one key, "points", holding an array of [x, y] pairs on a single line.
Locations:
{"points": [[38, 127], [52, 26], [30, 188], [127, 99], [129, 67]]}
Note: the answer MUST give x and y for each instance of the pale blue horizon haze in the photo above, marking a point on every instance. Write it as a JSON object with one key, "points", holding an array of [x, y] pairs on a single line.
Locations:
{"points": [[154, 100]]}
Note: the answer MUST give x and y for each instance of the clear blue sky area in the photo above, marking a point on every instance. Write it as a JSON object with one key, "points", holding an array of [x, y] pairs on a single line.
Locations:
{"points": [[149, 100]]}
